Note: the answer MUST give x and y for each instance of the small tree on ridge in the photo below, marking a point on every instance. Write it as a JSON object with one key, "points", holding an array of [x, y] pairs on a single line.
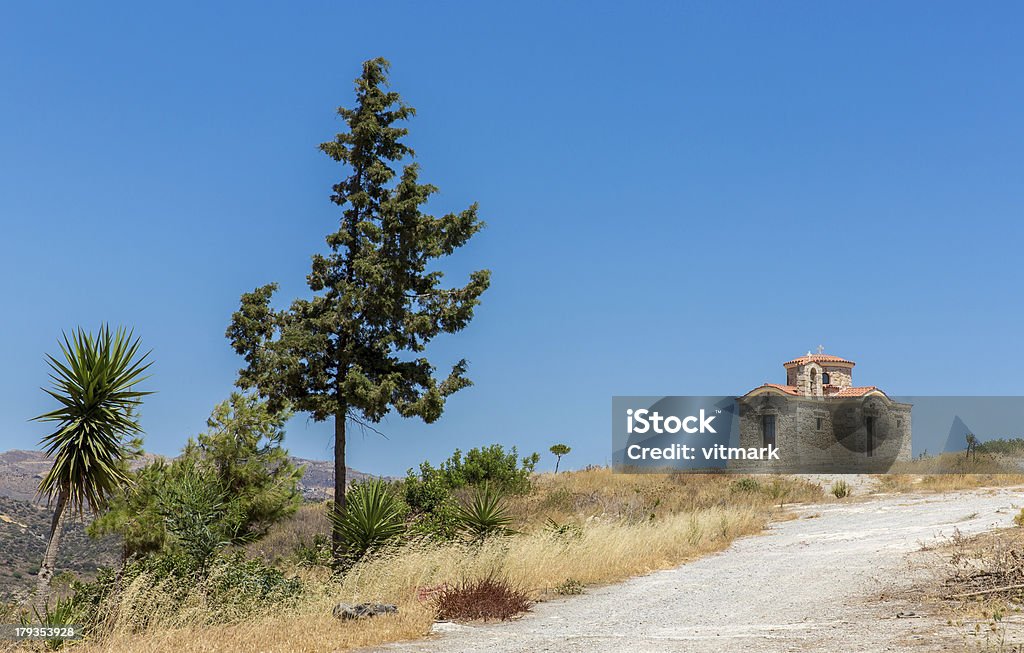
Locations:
{"points": [[559, 450]]}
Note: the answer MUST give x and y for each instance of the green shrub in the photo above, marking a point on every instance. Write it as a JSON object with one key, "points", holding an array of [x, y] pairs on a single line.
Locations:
{"points": [[440, 524], [1019, 519], [229, 485], [236, 581], [746, 484], [569, 587], [430, 493], [197, 514], [373, 516], [567, 530], [841, 489], [434, 509], [315, 554], [492, 465]]}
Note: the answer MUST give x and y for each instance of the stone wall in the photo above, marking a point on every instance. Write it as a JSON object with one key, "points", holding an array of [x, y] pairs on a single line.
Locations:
{"points": [[839, 376], [800, 376], [827, 434]]}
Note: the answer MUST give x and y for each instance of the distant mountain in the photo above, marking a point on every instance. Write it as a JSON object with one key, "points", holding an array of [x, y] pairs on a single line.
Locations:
{"points": [[317, 482], [21, 471]]}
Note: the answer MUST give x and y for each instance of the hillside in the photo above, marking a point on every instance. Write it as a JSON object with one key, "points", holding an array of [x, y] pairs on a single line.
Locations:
{"points": [[20, 472], [23, 530]]}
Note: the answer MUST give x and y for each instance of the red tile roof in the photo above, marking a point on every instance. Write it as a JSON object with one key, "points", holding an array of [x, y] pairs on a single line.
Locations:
{"points": [[827, 391], [853, 391], [818, 358], [788, 389]]}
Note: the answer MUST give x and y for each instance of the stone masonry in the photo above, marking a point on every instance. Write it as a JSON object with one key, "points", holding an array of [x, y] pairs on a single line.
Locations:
{"points": [[821, 422]]}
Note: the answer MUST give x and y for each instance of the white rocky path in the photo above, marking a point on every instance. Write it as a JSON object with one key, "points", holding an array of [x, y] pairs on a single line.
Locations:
{"points": [[810, 584]]}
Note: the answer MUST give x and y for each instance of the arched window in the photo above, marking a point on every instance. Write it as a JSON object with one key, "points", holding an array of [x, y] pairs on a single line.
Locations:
{"points": [[768, 430], [825, 380]]}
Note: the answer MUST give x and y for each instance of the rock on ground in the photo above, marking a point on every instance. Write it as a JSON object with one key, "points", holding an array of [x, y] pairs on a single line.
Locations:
{"points": [[345, 611]]}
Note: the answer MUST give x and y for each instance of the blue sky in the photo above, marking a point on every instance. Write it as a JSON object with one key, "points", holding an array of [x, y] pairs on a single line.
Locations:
{"points": [[680, 196]]}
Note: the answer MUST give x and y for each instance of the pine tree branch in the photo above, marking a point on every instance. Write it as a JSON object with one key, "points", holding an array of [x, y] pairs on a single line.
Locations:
{"points": [[365, 426]]}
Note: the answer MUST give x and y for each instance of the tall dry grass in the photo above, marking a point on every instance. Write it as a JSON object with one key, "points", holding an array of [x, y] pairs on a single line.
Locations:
{"points": [[624, 526], [600, 493], [308, 522], [952, 471]]}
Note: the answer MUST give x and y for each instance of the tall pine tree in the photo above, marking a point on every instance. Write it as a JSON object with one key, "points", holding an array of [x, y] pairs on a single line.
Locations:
{"points": [[354, 351]]}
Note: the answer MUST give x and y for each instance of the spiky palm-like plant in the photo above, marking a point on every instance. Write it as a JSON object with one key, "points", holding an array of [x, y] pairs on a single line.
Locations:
{"points": [[485, 513], [94, 386], [373, 515]]}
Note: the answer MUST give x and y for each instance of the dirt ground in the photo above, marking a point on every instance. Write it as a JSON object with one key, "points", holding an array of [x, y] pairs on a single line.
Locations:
{"points": [[841, 577]]}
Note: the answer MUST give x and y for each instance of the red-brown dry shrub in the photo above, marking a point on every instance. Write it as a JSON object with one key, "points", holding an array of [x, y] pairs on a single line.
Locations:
{"points": [[482, 598]]}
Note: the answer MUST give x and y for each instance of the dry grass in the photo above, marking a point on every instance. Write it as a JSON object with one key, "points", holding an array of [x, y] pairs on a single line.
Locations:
{"points": [[302, 528], [623, 526], [950, 472], [613, 527], [310, 630], [978, 590], [600, 493]]}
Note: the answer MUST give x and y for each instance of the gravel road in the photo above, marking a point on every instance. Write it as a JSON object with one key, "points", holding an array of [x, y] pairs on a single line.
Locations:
{"points": [[810, 584]]}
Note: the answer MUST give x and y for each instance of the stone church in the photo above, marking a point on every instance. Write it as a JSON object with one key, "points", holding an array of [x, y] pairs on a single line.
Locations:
{"points": [[821, 422]]}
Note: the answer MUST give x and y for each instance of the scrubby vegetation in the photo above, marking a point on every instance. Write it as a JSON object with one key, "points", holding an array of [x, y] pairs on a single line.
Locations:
{"points": [[437, 497], [484, 598], [228, 486], [841, 489], [181, 524], [1005, 446], [952, 471], [558, 535], [177, 589], [976, 587]]}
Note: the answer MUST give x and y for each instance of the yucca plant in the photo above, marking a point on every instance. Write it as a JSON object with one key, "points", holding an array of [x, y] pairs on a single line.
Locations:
{"points": [[94, 385], [485, 513], [63, 613], [373, 516]]}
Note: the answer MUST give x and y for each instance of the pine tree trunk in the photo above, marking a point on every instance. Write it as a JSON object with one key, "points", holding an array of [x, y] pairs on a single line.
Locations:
{"points": [[46, 567], [337, 546]]}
